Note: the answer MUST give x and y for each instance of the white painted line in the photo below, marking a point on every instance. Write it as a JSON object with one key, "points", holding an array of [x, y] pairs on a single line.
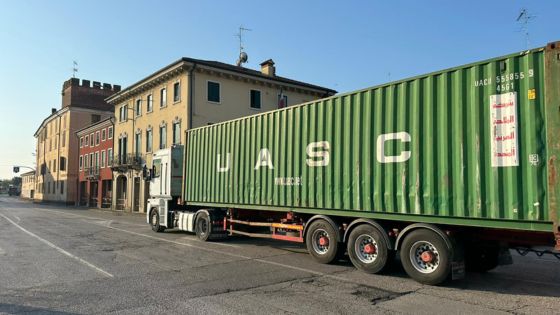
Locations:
{"points": [[18, 219], [120, 222], [60, 250], [211, 250], [317, 273]]}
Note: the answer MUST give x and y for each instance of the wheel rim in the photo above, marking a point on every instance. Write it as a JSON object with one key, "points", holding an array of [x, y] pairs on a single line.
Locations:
{"points": [[366, 248], [154, 218], [321, 241], [424, 257], [203, 225]]}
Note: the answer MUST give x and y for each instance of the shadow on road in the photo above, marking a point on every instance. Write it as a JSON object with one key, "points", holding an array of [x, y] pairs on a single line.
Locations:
{"points": [[22, 309]]}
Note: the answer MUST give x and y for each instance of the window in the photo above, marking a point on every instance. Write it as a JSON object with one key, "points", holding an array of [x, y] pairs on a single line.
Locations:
{"points": [[213, 92], [96, 159], [123, 113], [91, 140], [55, 143], [61, 187], [150, 103], [63, 139], [62, 164], [123, 142], [95, 118], [86, 139], [176, 133], [81, 142], [109, 157], [137, 143], [162, 137], [97, 138], [256, 99], [103, 158], [149, 140], [138, 108], [54, 165], [284, 102], [86, 160], [176, 92], [81, 162], [91, 160], [50, 144], [103, 134], [163, 97], [110, 133]]}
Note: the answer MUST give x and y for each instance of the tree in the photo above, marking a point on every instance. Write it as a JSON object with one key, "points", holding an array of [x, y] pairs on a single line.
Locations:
{"points": [[16, 181]]}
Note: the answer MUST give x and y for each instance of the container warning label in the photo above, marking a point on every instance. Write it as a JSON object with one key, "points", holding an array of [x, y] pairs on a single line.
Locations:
{"points": [[503, 129]]}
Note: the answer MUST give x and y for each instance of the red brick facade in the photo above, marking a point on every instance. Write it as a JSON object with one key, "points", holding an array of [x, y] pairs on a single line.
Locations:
{"points": [[95, 180]]}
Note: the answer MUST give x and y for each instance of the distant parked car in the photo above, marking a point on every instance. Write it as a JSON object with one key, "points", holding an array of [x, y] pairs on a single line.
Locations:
{"points": [[13, 191]]}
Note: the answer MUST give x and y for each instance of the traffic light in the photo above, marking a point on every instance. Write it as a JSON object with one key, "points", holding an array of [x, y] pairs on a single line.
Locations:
{"points": [[16, 169]]}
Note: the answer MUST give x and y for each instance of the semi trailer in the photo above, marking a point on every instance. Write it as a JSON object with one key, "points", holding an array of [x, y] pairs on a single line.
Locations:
{"points": [[448, 170]]}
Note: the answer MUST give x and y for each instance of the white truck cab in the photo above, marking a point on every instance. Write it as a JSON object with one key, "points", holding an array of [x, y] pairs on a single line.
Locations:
{"points": [[166, 179]]}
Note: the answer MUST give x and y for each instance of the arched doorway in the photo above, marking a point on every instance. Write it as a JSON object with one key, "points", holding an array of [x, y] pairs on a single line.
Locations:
{"points": [[121, 192]]}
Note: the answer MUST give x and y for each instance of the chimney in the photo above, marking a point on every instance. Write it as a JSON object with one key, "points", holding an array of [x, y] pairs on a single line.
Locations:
{"points": [[267, 68], [53, 110]]}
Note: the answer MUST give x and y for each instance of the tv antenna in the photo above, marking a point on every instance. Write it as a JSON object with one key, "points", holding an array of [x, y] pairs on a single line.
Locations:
{"points": [[74, 68], [523, 19], [243, 58]]}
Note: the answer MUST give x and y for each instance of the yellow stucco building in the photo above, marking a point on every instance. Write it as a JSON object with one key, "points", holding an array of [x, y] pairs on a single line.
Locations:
{"points": [[154, 113], [28, 185]]}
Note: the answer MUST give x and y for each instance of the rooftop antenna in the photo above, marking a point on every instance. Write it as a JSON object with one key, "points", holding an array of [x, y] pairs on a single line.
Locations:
{"points": [[523, 19], [74, 68], [243, 58]]}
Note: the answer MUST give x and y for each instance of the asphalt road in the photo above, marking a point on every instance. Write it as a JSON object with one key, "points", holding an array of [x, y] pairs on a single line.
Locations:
{"points": [[70, 261]]}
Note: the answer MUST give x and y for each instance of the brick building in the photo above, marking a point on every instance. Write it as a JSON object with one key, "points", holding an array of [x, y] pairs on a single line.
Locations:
{"points": [[83, 103], [95, 156]]}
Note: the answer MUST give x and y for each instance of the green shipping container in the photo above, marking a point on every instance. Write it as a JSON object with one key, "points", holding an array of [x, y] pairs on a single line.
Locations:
{"points": [[476, 145]]}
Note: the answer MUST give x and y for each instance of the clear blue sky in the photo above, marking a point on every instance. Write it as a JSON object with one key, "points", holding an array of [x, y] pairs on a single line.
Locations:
{"points": [[344, 45]]}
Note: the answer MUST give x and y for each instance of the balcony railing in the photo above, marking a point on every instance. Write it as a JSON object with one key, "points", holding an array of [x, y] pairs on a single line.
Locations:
{"points": [[127, 161], [92, 173]]}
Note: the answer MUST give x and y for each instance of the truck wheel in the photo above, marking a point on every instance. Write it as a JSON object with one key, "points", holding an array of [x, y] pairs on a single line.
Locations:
{"points": [[154, 222], [480, 258], [203, 226], [322, 242], [367, 249], [426, 257]]}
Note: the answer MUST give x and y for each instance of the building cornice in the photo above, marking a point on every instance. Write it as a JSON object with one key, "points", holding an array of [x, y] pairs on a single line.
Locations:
{"points": [[215, 69], [94, 127]]}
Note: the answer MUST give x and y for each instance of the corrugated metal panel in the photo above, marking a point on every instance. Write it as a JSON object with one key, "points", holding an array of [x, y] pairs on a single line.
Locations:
{"points": [[449, 175]]}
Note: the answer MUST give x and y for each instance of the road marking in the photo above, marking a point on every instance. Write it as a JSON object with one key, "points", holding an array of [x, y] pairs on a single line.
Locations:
{"points": [[18, 219], [60, 250], [318, 273], [120, 222]]}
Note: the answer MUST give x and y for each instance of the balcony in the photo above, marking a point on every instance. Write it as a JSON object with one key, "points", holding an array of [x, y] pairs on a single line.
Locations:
{"points": [[91, 173], [122, 163]]}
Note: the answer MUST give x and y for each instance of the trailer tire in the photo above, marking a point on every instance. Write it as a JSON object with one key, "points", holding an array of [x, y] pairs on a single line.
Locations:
{"points": [[426, 257], [154, 221], [368, 250], [322, 241]]}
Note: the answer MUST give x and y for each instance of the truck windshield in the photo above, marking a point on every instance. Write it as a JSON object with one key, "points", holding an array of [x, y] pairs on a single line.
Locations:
{"points": [[157, 168]]}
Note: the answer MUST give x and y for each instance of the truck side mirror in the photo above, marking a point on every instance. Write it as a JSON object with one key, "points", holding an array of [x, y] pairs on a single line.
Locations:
{"points": [[146, 173]]}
